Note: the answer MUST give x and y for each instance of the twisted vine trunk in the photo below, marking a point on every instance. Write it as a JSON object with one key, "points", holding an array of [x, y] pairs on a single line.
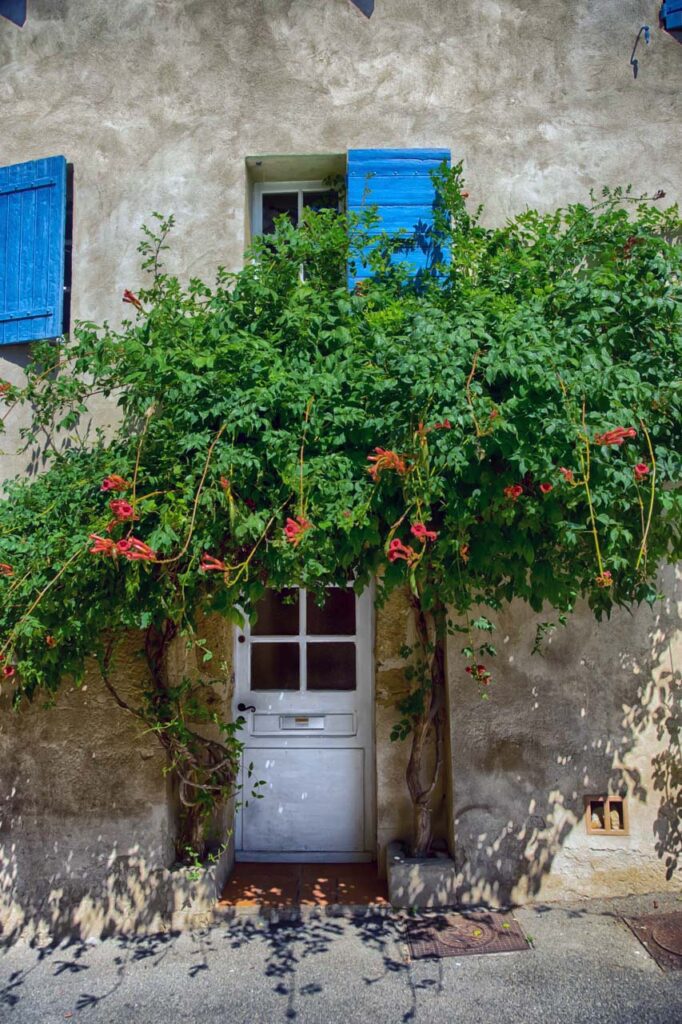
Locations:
{"points": [[189, 825], [425, 765], [203, 771]]}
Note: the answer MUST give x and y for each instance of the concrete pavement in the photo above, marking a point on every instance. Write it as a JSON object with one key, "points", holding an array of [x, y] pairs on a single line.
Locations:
{"points": [[584, 966]]}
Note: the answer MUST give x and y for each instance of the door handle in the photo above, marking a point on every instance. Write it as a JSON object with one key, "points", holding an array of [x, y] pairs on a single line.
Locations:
{"points": [[245, 707]]}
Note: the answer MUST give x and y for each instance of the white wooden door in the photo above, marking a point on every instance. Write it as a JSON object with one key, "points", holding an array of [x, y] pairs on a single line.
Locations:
{"points": [[304, 685]]}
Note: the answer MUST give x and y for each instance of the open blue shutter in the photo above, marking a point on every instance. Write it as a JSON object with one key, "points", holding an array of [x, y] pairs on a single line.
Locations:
{"points": [[13, 10], [32, 241], [398, 182], [671, 17]]}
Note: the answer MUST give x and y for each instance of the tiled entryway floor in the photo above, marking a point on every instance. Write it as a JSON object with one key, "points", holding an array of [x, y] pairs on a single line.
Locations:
{"points": [[303, 885]]}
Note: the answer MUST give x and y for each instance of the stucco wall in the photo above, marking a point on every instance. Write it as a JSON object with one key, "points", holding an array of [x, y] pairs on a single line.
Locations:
{"points": [[84, 815], [156, 104], [598, 713]]}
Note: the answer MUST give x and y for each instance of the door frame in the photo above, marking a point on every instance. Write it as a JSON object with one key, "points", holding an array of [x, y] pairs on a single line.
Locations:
{"points": [[368, 636]]}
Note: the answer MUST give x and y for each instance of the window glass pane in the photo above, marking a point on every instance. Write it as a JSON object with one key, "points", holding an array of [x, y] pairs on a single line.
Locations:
{"points": [[337, 615], [277, 613], [275, 667], [331, 666], [328, 200], [274, 205]]}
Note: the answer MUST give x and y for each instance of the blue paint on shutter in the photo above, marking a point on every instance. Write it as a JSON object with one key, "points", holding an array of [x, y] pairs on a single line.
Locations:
{"points": [[671, 17], [366, 6], [13, 10], [398, 182], [32, 249]]}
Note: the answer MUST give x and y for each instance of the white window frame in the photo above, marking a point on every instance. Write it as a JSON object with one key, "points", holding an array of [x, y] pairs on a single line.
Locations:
{"points": [[302, 639], [262, 188]]}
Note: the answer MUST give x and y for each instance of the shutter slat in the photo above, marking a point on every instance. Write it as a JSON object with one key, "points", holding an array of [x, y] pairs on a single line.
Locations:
{"points": [[398, 183], [32, 249]]}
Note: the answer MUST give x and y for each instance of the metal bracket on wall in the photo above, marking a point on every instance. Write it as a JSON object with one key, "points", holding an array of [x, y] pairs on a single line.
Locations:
{"points": [[647, 39]]}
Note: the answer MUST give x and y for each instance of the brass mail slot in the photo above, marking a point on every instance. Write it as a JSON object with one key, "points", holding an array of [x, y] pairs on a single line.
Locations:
{"points": [[302, 722]]}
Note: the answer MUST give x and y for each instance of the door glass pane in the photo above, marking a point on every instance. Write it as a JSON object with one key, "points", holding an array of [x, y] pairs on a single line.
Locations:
{"points": [[275, 666], [328, 200], [331, 666], [274, 205], [277, 613], [336, 617]]}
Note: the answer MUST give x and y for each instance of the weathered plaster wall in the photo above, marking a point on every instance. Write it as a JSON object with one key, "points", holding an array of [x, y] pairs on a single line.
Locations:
{"points": [[87, 818], [83, 808], [156, 104], [599, 712]]}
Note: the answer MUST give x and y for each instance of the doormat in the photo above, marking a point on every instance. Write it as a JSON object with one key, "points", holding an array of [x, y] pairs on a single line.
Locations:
{"points": [[468, 933], [661, 936]]}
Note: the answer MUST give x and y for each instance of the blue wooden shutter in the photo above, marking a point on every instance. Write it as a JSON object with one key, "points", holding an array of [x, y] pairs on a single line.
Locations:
{"points": [[32, 246], [398, 182], [671, 17], [13, 10]]}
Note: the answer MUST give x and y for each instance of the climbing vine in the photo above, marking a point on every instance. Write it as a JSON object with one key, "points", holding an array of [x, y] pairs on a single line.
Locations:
{"points": [[502, 427]]}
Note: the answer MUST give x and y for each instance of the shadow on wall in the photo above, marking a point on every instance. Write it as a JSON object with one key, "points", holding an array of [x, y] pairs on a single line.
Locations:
{"points": [[131, 899], [598, 713]]}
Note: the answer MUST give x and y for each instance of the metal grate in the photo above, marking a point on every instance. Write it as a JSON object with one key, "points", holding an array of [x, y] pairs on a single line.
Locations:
{"points": [[465, 934], [661, 936]]}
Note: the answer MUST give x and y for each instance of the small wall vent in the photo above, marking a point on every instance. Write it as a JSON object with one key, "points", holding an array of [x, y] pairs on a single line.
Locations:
{"points": [[606, 815]]}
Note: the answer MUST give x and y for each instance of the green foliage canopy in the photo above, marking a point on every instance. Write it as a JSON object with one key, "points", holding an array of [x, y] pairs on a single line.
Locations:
{"points": [[261, 399]]}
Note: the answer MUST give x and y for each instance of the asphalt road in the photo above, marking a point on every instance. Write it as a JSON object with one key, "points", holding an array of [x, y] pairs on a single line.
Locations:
{"points": [[584, 966]]}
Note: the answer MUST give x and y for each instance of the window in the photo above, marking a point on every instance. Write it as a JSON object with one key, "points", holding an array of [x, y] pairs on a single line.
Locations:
{"points": [[296, 644], [398, 183], [289, 198], [287, 184]]}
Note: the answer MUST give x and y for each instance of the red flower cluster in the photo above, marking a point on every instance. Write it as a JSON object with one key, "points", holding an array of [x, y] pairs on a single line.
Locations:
{"points": [[385, 459], [4, 387], [135, 550], [615, 436], [464, 553], [9, 671], [396, 550], [211, 564], [122, 509], [567, 474], [641, 471], [445, 425], [419, 531], [102, 545], [6, 570], [50, 641], [479, 673], [131, 548], [605, 579], [546, 488], [130, 297], [513, 492], [295, 528], [114, 483]]}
